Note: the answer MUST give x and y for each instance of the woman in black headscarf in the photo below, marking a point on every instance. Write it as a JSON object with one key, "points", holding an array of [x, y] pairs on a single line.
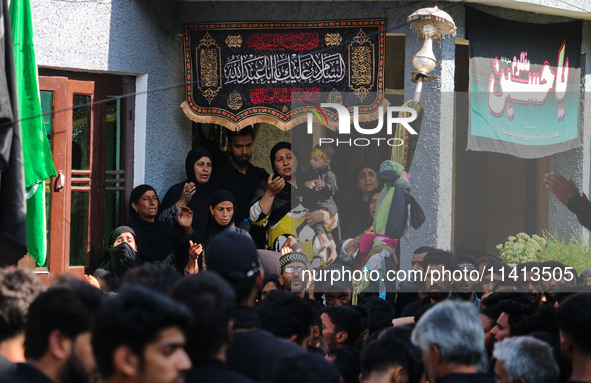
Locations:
{"points": [[158, 239], [275, 203], [222, 208], [120, 257], [356, 208], [195, 192]]}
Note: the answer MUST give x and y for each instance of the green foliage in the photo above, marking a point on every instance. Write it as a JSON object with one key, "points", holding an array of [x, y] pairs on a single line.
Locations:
{"points": [[575, 253], [522, 248]]}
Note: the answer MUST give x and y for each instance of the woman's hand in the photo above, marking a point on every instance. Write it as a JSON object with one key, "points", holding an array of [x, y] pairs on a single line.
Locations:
{"points": [[360, 236], [353, 246], [187, 194], [195, 249], [275, 185], [92, 281], [185, 219]]}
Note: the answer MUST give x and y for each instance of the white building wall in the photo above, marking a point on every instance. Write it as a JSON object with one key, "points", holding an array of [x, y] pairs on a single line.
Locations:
{"points": [[125, 37]]}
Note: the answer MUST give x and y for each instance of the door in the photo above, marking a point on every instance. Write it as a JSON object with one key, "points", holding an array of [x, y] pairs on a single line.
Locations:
{"points": [[85, 123]]}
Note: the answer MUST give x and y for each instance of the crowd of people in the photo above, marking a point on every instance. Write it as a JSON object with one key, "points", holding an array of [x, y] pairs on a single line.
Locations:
{"points": [[216, 283], [233, 323]]}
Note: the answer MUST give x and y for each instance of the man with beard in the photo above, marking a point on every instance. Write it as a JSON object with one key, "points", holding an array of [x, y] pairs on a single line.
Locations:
{"points": [[239, 176], [574, 321], [57, 335], [293, 265], [514, 310], [488, 318], [341, 326], [438, 265], [464, 287], [139, 337]]}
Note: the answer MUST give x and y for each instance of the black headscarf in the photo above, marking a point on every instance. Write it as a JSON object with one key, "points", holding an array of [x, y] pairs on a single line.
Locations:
{"points": [[215, 228], [117, 232], [118, 260], [154, 240], [200, 201], [193, 156], [282, 202], [222, 196], [136, 193]]}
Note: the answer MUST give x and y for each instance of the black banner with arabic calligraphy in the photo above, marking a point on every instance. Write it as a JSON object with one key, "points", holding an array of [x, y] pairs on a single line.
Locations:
{"points": [[242, 73], [524, 86]]}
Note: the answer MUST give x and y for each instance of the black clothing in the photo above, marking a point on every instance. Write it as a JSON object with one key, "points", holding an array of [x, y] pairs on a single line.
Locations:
{"points": [[6, 367], [200, 201], [314, 304], [157, 241], [214, 228], [411, 309], [243, 186], [467, 378], [25, 373], [154, 240], [253, 352], [405, 298], [213, 371], [360, 223], [582, 208], [120, 258], [117, 232]]}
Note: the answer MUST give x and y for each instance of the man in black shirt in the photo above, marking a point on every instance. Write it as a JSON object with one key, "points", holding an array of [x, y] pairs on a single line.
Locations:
{"points": [[573, 318], [239, 176], [253, 352], [211, 300]]}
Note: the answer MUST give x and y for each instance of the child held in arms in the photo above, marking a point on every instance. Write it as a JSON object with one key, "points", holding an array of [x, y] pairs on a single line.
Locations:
{"points": [[320, 196]]}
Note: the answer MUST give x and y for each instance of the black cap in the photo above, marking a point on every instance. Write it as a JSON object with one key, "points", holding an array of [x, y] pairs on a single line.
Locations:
{"points": [[233, 256]]}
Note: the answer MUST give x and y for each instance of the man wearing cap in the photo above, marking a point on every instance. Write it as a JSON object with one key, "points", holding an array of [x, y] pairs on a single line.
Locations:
{"points": [[252, 352], [293, 265]]}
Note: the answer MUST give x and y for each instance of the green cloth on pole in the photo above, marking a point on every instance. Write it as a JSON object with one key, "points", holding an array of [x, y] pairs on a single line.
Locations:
{"points": [[36, 221], [36, 151]]}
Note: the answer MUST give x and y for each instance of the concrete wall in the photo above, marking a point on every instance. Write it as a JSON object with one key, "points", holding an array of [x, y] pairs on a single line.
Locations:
{"points": [[125, 36]]}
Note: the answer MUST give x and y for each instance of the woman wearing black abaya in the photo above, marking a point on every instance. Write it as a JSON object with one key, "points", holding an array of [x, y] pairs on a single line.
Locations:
{"points": [[222, 209], [195, 192], [159, 239], [121, 256]]}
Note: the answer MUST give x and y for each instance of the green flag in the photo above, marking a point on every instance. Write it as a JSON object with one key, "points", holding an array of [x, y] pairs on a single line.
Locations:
{"points": [[36, 152]]}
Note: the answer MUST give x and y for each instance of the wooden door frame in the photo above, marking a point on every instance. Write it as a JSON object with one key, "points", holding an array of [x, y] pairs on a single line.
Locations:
{"points": [[58, 258], [67, 83]]}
